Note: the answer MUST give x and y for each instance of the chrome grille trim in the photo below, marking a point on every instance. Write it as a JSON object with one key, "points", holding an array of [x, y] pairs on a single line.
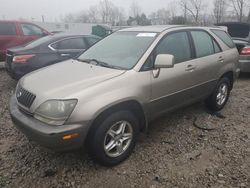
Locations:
{"points": [[24, 97]]}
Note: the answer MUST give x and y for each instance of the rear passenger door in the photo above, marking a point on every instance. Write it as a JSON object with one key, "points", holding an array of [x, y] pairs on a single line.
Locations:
{"points": [[209, 59], [70, 47]]}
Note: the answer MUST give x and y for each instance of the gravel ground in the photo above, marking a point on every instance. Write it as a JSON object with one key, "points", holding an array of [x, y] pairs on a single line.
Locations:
{"points": [[174, 152]]}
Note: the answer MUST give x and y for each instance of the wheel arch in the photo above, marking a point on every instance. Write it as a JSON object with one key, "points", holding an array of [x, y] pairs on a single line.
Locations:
{"points": [[131, 105], [230, 76]]}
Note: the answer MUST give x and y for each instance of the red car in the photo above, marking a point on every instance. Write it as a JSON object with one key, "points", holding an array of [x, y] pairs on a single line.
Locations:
{"points": [[16, 33]]}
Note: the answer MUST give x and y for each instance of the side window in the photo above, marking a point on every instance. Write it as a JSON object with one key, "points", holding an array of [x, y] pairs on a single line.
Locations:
{"points": [[224, 37], [92, 40], [7, 28], [31, 30], [217, 49], [176, 44], [203, 43], [70, 44]]}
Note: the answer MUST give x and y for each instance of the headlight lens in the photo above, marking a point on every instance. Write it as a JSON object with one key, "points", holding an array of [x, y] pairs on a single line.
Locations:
{"points": [[55, 112]]}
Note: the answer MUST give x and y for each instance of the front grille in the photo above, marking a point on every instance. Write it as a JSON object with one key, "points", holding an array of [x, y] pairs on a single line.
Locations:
{"points": [[24, 97]]}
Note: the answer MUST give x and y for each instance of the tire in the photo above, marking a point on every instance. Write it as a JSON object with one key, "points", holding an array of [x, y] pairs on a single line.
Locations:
{"points": [[216, 103], [108, 134]]}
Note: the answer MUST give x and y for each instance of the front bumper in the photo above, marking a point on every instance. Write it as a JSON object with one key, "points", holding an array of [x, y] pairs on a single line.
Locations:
{"points": [[244, 65], [46, 135]]}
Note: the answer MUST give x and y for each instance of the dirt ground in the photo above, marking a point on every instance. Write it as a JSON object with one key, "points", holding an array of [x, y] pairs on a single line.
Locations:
{"points": [[174, 152]]}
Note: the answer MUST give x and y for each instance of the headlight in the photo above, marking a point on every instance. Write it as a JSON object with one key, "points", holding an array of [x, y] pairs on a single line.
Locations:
{"points": [[55, 112]]}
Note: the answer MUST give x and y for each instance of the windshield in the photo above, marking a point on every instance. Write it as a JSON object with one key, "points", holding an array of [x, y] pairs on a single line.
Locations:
{"points": [[121, 49]]}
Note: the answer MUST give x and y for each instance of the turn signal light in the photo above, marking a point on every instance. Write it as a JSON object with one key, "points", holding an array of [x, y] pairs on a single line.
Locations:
{"points": [[71, 136]]}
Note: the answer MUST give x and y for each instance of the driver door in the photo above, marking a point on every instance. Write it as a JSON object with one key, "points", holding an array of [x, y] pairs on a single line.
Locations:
{"points": [[172, 87]]}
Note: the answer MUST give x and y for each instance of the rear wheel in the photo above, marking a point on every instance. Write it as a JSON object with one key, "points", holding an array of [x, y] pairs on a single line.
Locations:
{"points": [[219, 97], [114, 138]]}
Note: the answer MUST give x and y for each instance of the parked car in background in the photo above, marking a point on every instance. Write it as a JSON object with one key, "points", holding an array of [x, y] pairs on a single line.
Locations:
{"points": [[46, 51], [240, 33], [105, 97], [16, 33]]}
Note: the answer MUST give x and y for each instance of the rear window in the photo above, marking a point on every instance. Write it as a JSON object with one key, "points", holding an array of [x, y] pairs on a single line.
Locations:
{"points": [[7, 28], [39, 41], [92, 40], [70, 44], [224, 37]]}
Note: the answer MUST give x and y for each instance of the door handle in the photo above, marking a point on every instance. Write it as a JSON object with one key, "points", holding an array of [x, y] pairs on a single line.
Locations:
{"points": [[221, 59], [190, 68], [65, 55]]}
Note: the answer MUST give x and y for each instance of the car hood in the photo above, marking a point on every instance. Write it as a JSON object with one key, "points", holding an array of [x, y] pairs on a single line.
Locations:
{"points": [[62, 80]]}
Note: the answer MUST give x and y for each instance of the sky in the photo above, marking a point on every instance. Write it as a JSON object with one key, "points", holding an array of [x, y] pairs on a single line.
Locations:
{"points": [[53, 10]]}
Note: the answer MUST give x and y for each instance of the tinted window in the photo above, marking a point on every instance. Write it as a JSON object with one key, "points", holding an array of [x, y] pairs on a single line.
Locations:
{"points": [[7, 29], [176, 44], [72, 43], [31, 30], [92, 41], [203, 43], [224, 37]]}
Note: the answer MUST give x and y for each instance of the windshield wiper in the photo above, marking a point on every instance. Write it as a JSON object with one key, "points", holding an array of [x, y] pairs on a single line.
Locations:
{"points": [[99, 63]]}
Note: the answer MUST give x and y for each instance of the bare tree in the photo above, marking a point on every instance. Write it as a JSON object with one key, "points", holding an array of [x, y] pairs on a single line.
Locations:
{"points": [[109, 12], [105, 8], [93, 14], [193, 7], [238, 6], [160, 17], [135, 10], [220, 7]]}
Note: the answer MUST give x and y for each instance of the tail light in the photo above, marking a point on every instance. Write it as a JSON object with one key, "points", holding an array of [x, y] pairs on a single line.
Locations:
{"points": [[245, 51], [22, 58]]}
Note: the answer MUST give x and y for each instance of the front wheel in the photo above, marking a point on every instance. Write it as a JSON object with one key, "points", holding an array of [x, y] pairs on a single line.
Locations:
{"points": [[114, 138], [219, 97]]}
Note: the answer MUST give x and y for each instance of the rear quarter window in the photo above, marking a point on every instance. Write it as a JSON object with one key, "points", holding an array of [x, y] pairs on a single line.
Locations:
{"points": [[224, 37], [7, 28]]}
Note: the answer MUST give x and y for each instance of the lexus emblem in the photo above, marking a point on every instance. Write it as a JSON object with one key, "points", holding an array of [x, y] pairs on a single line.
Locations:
{"points": [[19, 94]]}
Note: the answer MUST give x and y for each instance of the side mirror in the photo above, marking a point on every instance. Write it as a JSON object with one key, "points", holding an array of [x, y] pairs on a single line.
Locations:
{"points": [[164, 61]]}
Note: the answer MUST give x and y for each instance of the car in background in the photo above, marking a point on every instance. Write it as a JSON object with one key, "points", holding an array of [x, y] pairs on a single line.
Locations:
{"points": [[103, 98], [46, 51], [16, 33], [240, 33]]}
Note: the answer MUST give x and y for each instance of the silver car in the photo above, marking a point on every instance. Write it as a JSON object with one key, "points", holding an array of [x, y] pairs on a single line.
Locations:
{"points": [[106, 96]]}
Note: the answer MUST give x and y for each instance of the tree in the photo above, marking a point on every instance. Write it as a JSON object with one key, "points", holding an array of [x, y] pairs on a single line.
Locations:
{"points": [[105, 8], [93, 14], [69, 18], [193, 7], [238, 6], [160, 17], [139, 20], [220, 7], [135, 10]]}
